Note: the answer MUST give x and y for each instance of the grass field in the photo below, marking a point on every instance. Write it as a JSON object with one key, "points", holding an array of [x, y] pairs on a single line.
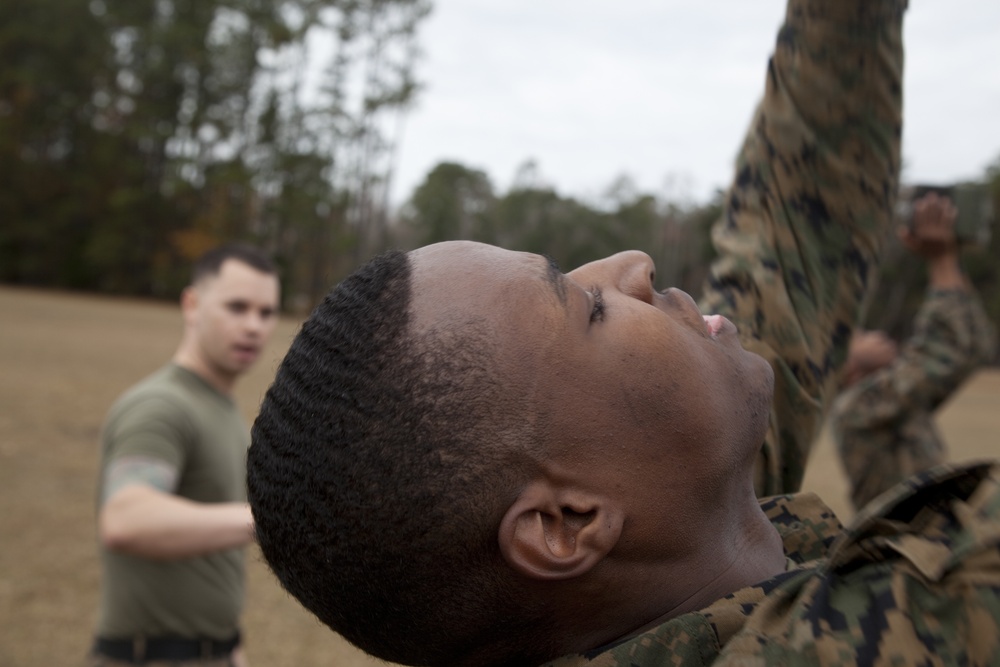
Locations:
{"points": [[64, 359]]}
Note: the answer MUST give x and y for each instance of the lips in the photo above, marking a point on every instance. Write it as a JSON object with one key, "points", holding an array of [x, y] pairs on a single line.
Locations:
{"points": [[248, 352], [714, 324], [692, 314], [719, 325]]}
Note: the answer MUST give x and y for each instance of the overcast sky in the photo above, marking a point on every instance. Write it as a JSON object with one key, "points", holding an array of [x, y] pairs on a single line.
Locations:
{"points": [[662, 90]]}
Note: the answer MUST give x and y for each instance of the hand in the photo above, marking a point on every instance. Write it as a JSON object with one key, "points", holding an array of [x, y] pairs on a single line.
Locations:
{"points": [[238, 658], [932, 233], [869, 351]]}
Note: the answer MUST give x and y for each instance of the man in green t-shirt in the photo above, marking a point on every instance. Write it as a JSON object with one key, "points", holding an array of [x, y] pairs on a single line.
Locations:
{"points": [[172, 513]]}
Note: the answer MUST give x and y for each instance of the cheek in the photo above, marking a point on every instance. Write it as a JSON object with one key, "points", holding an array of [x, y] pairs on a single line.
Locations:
{"points": [[744, 401], [661, 388], [219, 329]]}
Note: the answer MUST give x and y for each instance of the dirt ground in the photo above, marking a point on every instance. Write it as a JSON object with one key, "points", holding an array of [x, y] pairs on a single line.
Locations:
{"points": [[64, 358]]}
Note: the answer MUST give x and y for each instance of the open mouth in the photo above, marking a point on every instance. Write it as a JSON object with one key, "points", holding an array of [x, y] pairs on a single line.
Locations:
{"points": [[713, 324]]}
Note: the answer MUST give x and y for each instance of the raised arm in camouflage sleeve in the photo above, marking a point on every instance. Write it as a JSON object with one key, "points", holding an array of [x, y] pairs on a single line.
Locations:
{"points": [[883, 425], [811, 201]]}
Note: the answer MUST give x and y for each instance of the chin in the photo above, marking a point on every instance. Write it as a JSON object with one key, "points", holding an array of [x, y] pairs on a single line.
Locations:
{"points": [[759, 397], [233, 370], [765, 397], [768, 372], [756, 374]]}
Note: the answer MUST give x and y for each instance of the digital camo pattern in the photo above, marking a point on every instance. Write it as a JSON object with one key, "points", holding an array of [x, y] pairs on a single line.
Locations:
{"points": [[807, 529], [915, 581], [810, 204], [883, 426]]}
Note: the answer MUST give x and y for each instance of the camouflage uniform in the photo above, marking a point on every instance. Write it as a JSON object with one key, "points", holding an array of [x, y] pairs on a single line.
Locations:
{"points": [[811, 202], [883, 425], [914, 581]]}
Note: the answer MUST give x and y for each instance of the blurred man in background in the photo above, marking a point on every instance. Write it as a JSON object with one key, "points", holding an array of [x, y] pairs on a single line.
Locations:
{"points": [[883, 422], [172, 514]]}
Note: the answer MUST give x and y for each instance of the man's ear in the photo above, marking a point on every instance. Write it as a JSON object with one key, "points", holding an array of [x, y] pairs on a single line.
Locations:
{"points": [[189, 301], [556, 533]]}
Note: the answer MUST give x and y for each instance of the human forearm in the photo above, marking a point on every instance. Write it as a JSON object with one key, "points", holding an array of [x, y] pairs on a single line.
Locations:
{"points": [[838, 63], [811, 201], [143, 521], [952, 337], [815, 183], [830, 126]]}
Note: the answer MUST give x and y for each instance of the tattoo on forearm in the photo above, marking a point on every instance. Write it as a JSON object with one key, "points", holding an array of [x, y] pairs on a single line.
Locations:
{"points": [[139, 470]]}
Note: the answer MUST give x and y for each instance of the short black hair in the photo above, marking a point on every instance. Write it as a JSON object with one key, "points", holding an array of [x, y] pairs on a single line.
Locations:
{"points": [[380, 467], [211, 261]]}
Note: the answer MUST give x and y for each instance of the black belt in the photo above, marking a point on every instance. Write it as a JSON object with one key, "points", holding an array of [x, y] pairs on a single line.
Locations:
{"points": [[142, 649]]}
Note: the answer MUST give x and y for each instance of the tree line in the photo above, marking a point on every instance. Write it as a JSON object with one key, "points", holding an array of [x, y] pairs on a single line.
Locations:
{"points": [[458, 202], [134, 134]]}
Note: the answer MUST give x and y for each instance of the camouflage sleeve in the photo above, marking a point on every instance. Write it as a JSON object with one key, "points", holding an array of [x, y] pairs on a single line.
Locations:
{"points": [[810, 203], [952, 337], [914, 581], [883, 426]]}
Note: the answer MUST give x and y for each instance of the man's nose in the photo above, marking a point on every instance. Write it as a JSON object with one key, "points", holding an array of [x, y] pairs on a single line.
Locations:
{"points": [[632, 272], [254, 323]]}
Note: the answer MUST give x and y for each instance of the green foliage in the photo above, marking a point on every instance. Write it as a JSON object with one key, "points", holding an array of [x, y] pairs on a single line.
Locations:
{"points": [[457, 202], [453, 202], [136, 133], [45, 108]]}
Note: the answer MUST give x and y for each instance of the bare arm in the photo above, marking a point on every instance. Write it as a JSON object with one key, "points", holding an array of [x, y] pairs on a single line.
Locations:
{"points": [[140, 515]]}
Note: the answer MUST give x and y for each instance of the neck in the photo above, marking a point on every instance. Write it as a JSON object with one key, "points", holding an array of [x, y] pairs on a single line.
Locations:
{"points": [[742, 550], [750, 553], [221, 382]]}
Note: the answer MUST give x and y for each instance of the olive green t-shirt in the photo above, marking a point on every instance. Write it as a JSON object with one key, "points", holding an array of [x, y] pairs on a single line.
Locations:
{"points": [[176, 417]]}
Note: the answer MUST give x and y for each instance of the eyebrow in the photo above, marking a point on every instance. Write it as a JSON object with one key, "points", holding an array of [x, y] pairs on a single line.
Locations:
{"points": [[555, 278]]}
